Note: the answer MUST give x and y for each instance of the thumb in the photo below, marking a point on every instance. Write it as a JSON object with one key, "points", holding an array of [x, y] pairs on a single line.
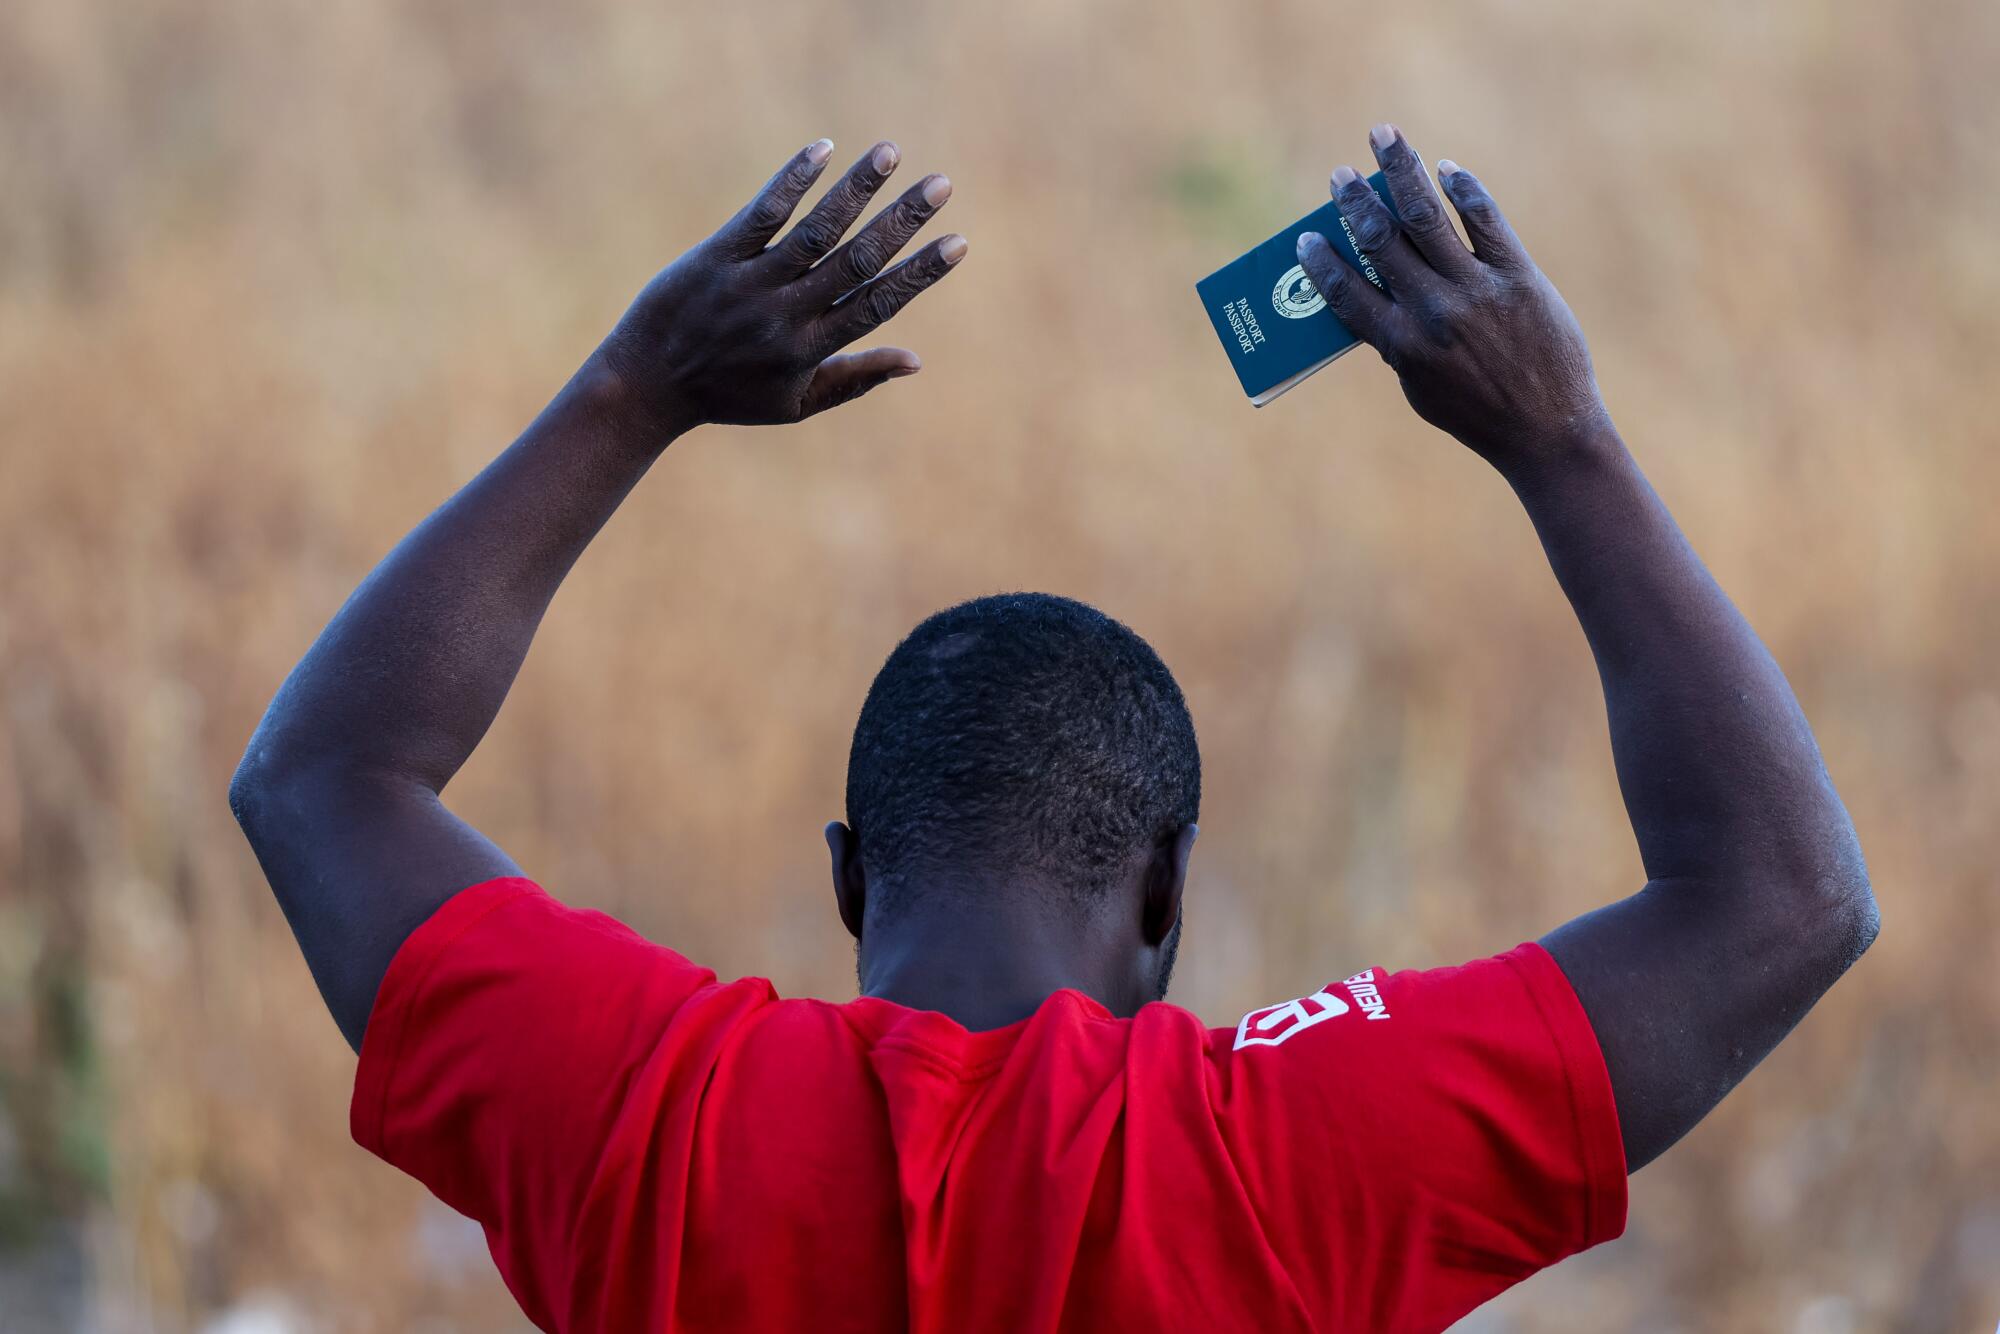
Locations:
{"points": [[849, 375]]}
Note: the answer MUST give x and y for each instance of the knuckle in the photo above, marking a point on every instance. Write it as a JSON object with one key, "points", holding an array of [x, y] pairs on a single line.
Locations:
{"points": [[1436, 316], [1422, 213], [854, 194], [910, 215], [1476, 204], [1374, 230], [860, 261], [768, 212], [879, 303], [817, 234]]}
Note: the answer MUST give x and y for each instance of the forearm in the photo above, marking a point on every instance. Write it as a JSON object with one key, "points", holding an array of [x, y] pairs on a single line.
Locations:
{"points": [[338, 790], [1720, 773], [1757, 898], [406, 678]]}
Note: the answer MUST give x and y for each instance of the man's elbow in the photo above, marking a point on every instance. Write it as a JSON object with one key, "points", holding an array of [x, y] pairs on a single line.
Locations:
{"points": [[1841, 901], [250, 792], [1806, 923], [1858, 917], [262, 785], [1805, 892]]}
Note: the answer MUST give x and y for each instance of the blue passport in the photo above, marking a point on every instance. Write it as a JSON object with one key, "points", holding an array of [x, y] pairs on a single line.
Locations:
{"points": [[1272, 321]]}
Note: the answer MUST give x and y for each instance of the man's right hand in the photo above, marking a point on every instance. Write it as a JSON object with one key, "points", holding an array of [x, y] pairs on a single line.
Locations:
{"points": [[747, 332], [1484, 344]]}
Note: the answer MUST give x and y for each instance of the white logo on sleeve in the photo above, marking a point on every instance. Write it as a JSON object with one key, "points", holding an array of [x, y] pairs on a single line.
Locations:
{"points": [[1274, 1023], [1367, 995]]}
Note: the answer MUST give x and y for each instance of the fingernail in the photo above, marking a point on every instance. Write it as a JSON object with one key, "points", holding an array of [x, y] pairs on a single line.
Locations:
{"points": [[885, 159], [1382, 136], [936, 190], [1446, 167], [911, 369], [818, 150], [952, 248], [1344, 177], [1306, 240]]}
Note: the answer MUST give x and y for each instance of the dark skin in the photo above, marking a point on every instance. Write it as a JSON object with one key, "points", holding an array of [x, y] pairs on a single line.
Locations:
{"points": [[993, 953], [339, 789], [1756, 899]]}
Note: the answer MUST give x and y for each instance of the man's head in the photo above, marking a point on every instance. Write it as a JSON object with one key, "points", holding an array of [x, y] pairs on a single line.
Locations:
{"points": [[1026, 765]]}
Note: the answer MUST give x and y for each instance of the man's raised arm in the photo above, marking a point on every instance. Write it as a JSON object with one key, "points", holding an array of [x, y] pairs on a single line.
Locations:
{"points": [[1757, 897], [338, 791]]}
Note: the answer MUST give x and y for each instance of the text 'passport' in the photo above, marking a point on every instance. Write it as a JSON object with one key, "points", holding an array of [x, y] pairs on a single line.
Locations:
{"points": [[1272, 321]]}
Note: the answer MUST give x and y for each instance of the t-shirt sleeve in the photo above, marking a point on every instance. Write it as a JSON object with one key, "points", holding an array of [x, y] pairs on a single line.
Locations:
{"points": [[1416, 1142], [509, 1038]]}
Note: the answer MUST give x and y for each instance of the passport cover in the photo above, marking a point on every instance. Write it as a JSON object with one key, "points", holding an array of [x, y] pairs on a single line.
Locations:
{"points": [[1272, 321]]}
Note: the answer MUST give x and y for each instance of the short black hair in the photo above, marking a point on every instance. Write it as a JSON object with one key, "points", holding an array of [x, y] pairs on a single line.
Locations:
{"points": [[1020, 733]]}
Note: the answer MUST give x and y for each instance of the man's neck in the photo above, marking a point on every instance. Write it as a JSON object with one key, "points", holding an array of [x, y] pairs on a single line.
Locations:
{"points": [[986, 969]]}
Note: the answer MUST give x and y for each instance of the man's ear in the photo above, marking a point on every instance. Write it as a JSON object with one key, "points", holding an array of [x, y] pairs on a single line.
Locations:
{"points": [[1166, 878], [850, 883]]}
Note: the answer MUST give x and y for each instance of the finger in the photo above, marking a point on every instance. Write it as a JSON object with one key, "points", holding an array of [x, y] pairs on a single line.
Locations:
{"points": [[1493, 238], [1377, 236], [820, 230], [1417, 206], [846, 376], [871, 249], [1368, 314], [878, 300], [758, 221]]}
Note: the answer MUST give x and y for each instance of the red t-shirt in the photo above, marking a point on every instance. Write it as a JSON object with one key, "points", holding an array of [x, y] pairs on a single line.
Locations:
{"points": [[649, 1149]]}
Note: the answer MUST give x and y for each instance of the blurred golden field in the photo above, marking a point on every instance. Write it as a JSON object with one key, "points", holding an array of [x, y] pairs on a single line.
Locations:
{"points": [[275, 277]]}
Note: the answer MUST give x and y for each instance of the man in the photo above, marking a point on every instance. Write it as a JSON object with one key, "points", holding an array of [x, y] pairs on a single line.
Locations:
{"points": [[1005, 1131]]}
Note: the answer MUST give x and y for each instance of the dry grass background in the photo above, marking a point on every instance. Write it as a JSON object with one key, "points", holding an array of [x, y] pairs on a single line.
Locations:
{"points": [[275, 276]]}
